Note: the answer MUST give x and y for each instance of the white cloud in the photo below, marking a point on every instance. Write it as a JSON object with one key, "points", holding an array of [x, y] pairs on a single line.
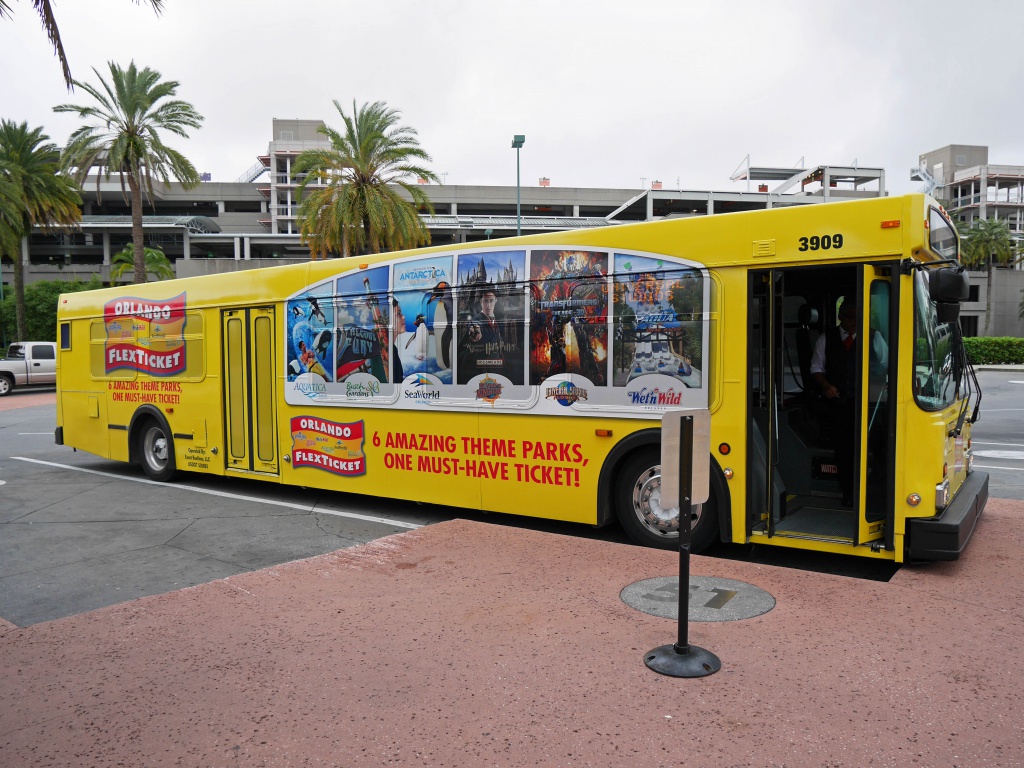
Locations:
{"points": [[606, 93]]}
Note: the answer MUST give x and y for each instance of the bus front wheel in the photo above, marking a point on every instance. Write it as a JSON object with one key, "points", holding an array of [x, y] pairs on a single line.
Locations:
{"points": [[645, 520], [156, 450]]}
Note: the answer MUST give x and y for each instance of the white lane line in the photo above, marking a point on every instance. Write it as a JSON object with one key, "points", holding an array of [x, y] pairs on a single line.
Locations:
{"points": [[1009, 445], [1018, 455], [1001, 410], [225, 495], [1012, 469], [36, 433]]}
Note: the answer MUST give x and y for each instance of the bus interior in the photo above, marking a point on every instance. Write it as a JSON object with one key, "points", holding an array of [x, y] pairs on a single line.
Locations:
{"points": [[804, 438]]}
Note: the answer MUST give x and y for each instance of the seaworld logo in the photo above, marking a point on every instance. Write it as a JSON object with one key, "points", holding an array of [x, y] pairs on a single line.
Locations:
{"points": [[566, 393], [362, 389], [427, 273], [655, 396], [429, 393], [488, 390]]}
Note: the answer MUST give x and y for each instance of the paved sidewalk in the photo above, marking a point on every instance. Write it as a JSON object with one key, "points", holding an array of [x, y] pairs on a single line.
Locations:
{"points": [[465, 644]]}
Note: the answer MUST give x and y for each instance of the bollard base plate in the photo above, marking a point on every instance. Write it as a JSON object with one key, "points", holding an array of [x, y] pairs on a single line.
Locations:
{"points": [[695, 662]]}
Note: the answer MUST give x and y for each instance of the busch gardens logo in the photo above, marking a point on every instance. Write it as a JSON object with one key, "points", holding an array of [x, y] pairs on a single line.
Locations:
{"points": [[566, 393]]}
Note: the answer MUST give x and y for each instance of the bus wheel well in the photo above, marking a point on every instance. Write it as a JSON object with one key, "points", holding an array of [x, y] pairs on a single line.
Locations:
{"points": [[644, 448], [151, 444]]}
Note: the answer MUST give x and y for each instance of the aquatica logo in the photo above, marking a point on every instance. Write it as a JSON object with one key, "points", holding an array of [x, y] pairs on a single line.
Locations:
{"points": [[566, 393], [655, 397], [310, 387], [488, 390], [423, 389], [357, 389]]}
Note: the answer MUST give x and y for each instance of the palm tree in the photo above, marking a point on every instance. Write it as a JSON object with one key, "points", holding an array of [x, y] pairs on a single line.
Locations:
{"points": [[34, 194], [360, 210], [129, 115], [157, 263], [49, 21], [986, 242]]}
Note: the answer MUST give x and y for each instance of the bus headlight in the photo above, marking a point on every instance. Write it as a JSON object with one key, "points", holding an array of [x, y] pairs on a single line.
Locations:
{"points": [[942, 494], [969, 459]]}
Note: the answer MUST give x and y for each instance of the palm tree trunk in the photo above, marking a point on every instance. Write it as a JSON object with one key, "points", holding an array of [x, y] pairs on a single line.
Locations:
{"points": [[138, 251], [19, 293], [988, 300]]}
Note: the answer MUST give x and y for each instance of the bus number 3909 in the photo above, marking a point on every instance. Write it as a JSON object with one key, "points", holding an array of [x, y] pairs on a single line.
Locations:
{"points": [[822, 243]]}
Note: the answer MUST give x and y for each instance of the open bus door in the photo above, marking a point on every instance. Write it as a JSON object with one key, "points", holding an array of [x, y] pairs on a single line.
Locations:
{"points": [[250, 399], [802, 444]]}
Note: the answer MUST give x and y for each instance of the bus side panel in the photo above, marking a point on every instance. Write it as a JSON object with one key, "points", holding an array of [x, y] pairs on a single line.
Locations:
{"points": [[420, 456], [544, 472], [85, 422]]}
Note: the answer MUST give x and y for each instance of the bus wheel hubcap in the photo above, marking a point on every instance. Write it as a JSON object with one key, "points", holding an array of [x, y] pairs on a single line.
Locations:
{"points": [[156, 448], [649, 510]]}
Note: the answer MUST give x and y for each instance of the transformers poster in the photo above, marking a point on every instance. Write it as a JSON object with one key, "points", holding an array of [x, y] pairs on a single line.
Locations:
{"points": [[568, 315]]}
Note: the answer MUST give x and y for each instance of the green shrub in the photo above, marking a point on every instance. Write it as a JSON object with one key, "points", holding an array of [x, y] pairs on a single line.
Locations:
{"points": [[40, 308], [994, 350]]}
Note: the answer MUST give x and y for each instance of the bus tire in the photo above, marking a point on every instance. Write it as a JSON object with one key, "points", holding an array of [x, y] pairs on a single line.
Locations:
{"points": [[637, 505], [6, 384], [156, 451]]}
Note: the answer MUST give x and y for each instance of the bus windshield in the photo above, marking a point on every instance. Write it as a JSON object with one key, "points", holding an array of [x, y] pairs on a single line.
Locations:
{"points": [[942, 236], [934, 377]]}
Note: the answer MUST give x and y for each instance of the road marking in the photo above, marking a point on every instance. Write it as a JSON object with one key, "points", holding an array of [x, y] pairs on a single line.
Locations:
{"points": [[225, 495], [1011, 381], [1012, 445], [1013, 469], [1000, 454], [36, 433], [1001, 410]]}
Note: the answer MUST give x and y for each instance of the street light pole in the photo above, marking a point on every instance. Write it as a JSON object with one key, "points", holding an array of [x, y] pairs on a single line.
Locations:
{"points": [[517, 142]]}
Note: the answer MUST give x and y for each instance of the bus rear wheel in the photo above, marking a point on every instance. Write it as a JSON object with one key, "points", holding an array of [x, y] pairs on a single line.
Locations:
{"points": [[645, 520], [156, 450]]}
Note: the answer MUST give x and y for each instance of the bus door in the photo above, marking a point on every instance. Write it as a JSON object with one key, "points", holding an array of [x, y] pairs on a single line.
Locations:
{"points": [[877, 457], [809, 465], [250, 398]]}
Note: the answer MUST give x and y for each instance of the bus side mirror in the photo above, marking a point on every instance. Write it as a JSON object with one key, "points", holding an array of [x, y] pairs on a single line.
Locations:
{"points": [[948, 284]]}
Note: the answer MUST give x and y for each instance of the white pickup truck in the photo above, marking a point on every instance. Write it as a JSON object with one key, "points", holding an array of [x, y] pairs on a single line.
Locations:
{"points": [[28, 363]]}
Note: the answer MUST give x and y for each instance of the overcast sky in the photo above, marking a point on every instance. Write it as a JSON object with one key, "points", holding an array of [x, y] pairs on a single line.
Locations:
{"points": [[608, 94]]}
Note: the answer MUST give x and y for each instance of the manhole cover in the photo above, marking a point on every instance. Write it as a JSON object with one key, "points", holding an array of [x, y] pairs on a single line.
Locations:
{"points": [[711, 598]]}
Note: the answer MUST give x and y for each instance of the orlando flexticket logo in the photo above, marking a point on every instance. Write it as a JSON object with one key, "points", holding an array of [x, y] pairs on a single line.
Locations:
{"points": [[145, 335], [328, 445]]}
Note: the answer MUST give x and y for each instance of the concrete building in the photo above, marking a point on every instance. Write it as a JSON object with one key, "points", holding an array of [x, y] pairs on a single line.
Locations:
{"points": [[960, 175], [252, 222]]}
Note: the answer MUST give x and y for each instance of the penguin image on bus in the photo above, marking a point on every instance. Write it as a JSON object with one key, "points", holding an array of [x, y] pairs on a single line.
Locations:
{"points": [[422, 292], [421, 337]]}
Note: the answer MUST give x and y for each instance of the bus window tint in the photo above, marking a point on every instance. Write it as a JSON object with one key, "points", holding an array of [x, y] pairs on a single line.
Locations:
{"points": [[934, 383]]}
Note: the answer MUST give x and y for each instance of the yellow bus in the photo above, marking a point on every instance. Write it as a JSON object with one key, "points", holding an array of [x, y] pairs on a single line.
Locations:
{"points": [[529, 376]]}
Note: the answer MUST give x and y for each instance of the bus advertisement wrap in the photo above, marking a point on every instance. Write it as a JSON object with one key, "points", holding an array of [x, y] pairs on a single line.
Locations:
{"points": [[552, 330]]}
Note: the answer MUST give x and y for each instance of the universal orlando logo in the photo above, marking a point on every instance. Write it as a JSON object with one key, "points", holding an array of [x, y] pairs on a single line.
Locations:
{"points": [[566, 393]]}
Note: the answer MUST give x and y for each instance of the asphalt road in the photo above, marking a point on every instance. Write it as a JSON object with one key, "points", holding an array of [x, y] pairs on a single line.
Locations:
{"points": [[78, 532]]}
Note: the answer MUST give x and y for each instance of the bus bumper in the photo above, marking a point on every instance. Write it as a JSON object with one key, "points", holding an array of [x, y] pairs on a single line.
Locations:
{"points": [[944, 536]]}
